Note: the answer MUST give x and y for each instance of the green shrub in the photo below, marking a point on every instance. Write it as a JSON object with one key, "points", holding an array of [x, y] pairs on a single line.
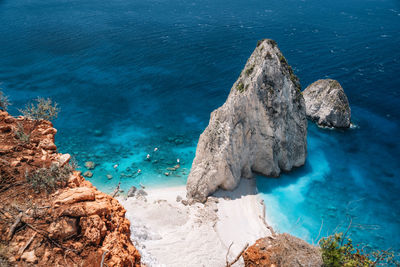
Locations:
{"points": [[338, 251], [49, 179], [240, 87], [249, 71], [44, 109], [21, 135], [4, 102]]}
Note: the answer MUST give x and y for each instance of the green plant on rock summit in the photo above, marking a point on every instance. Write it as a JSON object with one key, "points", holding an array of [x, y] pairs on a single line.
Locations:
{"points": [[4, 102], [44, 109]]}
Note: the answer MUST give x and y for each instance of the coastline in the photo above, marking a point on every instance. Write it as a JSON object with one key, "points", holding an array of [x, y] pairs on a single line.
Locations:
{"points": [[168, 233]]}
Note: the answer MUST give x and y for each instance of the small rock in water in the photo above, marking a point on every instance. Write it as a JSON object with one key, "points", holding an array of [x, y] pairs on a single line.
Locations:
{"points": [[327, 104], [88, 174], [178, 198], [132, 191], [90, 165], [166, 174], [178, 141], [115, 166], [98, 132], [109, 176]]}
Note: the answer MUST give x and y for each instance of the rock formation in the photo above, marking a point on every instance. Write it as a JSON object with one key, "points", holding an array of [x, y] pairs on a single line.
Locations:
{"points": [[261, 127], [327, 104], [282, 250], [77, 225]]}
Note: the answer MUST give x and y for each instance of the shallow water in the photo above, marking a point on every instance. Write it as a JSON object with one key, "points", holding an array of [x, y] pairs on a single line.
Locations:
{"points": [[131, 76]]}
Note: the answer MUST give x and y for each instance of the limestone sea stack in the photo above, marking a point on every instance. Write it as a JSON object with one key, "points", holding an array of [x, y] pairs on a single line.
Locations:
{"points": [[327, 104], [261, 127]]}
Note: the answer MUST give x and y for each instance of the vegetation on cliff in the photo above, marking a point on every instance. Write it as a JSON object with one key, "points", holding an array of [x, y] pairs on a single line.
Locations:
{"points": [[338, 250], [49, 214]]}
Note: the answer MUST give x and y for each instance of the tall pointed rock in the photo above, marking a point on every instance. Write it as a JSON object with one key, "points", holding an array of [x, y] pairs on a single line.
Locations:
{"points": [[261, 127]]}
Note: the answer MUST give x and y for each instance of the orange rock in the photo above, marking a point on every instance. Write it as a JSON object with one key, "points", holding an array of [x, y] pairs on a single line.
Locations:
{"points": [[75, 195], [47, 144], [63, 228], [82, 221], [93, 228], [281, 251]]}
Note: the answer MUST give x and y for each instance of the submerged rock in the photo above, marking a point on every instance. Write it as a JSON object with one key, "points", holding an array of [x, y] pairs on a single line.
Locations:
{"points": [[261, 128], [327, 104], [88, 174], [132, 191], [90, 165], [282, 250]]}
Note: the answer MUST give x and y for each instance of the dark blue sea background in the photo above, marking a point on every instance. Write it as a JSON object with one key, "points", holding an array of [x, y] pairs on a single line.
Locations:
{"points": [[134, 75]]}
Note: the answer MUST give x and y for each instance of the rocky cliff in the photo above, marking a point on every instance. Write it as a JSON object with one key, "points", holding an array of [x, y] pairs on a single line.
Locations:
{"points": [[327, 104], [261, 127], [73, 225], [282, 250]]}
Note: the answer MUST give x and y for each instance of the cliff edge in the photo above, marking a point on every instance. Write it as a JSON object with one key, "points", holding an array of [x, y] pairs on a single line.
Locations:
{"points": [[73, 225]]}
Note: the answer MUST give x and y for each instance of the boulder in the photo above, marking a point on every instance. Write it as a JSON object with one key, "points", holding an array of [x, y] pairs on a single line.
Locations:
{"points": [[75, 195], [262, 127], [327, 104]]}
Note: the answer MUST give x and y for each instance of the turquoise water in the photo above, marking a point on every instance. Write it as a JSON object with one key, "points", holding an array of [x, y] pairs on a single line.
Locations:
{"points": [[132, 76]]}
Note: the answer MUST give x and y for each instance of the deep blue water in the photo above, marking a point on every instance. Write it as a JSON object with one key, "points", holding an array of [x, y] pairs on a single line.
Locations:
{"points": [[131, 76]]}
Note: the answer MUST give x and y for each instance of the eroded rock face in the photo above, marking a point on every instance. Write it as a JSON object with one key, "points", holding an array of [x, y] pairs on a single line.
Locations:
{"points": [[327, 104], [261, 127], [74, 226], [282, 250]]}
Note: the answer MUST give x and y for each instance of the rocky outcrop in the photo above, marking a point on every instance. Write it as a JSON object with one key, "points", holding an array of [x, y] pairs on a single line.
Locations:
{"points": [[261, 127], [327, 104], [282, 250], [77, 225]]}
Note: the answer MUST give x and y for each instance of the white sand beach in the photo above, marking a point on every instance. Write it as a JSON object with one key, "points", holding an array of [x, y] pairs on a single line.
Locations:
{"points": [[168, 233]]}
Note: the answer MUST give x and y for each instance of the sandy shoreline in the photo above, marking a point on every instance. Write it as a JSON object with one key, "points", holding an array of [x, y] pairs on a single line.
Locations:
{"points": [[168, 233]]}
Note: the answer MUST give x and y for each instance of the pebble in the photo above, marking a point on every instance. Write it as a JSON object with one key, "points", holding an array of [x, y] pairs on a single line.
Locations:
{"points": [[109, 176]]}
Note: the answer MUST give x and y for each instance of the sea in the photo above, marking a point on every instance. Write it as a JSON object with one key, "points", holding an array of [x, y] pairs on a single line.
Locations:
{"points": [[136, 81]]}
